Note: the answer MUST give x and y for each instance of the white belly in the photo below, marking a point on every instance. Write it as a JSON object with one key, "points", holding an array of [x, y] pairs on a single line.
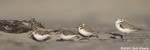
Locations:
{"points": [[85, 33], [123, 30], [40, 37], [66, 37]]}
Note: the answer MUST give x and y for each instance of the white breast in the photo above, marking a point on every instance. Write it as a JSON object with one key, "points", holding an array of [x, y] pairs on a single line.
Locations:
{"points": [[85, 33], [40, 37], [123, 30], [66, 37]]}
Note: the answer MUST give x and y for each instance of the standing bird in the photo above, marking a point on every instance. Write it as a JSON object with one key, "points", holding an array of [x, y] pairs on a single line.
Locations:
{"points": [[125, 27], [66, 35], [86, 31]]}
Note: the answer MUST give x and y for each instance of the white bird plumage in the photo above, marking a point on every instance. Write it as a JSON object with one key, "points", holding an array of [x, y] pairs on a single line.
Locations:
{"points": [[65, 34], [124, 26], [86, 31], [66, 37], [40, 35]]}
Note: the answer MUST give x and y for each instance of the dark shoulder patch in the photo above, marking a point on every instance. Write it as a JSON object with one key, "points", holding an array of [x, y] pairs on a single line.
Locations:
{"points": [[121, 26]]}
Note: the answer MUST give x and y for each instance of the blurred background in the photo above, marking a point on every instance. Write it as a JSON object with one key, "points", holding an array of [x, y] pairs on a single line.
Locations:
{"points": [[100, 14]]}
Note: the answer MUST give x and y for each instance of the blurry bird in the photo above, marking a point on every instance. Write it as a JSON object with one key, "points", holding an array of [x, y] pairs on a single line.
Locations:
{"points": [[65, 34], [40, 35], [125, 27], [86, 31]]}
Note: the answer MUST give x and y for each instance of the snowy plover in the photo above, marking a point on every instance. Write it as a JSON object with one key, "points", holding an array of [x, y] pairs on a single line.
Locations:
{"points": [[65, 34], [40, 35], [125, 27], [86, 31]]}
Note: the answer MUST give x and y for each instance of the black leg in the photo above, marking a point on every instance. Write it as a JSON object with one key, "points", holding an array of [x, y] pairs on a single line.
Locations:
{"points": [[125, 35]]}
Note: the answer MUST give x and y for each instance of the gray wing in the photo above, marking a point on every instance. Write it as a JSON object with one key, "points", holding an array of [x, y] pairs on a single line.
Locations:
{"points": [[88, 29], [126, 25], [68, 32]]}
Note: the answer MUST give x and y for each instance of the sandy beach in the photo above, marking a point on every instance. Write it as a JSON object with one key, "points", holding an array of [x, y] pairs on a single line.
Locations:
{"points": [[99, 14]]}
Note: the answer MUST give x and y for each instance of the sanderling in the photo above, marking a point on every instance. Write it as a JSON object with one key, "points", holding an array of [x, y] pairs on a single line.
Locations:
{"points": [[40, 35], [65, 34], [125, 27], [86, 31]]}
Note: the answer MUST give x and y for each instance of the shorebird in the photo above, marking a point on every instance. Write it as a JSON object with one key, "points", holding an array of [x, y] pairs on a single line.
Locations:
{"points": [[86, 31], [125, 27], [66, 35], [40, 34]]}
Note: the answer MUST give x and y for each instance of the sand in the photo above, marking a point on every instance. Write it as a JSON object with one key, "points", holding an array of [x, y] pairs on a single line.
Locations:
{"points": [[99, 14], [11, 41]]}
